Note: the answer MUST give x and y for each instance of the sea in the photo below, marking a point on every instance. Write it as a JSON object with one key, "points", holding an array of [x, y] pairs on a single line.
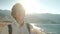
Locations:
{"points": [[49, 28]]}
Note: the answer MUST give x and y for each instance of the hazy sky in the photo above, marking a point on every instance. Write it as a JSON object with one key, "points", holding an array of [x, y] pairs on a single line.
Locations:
{"points": [[44, 6]]}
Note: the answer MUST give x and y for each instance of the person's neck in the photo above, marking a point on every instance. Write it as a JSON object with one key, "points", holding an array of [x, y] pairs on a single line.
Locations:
{"points": [[21, 22]]}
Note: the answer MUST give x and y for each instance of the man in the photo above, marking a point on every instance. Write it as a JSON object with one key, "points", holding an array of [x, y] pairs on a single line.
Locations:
{"points": [[18, 14]]}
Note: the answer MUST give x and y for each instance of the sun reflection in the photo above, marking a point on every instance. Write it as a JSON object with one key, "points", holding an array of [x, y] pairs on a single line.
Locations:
{"points": [[35, 27]]}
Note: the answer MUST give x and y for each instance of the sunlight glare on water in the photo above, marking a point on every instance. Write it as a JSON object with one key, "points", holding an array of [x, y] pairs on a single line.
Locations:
{"points": [[35, 27]]}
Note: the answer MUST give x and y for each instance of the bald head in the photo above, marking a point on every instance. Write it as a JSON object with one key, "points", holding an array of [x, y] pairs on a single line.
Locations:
{"points": [[18, 12]]}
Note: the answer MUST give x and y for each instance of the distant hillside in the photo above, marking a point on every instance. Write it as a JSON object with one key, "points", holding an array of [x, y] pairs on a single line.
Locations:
{"points": [[43, 18], [5, 15]]}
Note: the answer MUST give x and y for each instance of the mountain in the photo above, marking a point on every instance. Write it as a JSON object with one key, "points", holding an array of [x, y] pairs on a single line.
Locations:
{"points": [[5, 15], [47, 18], [43, 18]]}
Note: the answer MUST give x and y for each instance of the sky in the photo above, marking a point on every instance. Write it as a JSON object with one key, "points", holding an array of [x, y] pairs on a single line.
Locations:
{"points": [[33, 6]]}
